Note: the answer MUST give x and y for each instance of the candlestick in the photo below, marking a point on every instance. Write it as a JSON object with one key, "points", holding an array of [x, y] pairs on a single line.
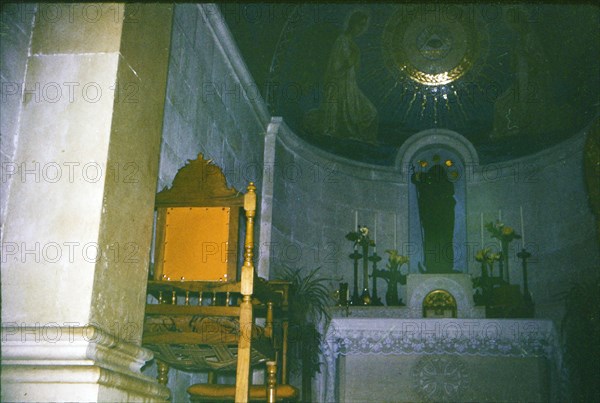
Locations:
{"points": [[355, 220], [522, 229], [355, 257], [481, 225], [529, 308], [375, 300], [365, 254], [344, 296]]}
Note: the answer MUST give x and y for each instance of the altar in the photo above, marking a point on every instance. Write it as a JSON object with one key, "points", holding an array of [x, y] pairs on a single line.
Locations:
{"points": [[438, 350], [373, 358]]}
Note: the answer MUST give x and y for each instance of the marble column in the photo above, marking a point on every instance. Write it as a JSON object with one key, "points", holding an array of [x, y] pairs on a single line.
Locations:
{"points": [[76, 241]]}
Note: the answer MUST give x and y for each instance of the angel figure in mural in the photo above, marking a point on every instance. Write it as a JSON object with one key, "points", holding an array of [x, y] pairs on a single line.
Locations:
{"points": [[345, 111]]}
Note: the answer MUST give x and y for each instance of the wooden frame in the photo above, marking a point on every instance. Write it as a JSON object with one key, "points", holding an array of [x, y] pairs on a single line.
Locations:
{"points": [[198, 187]]}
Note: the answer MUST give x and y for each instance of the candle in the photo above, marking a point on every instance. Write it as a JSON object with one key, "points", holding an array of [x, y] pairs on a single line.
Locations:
{"points": [[499, 215], [481, 225], [522, 229], [375, 234], [355, 220], [395, 228]]}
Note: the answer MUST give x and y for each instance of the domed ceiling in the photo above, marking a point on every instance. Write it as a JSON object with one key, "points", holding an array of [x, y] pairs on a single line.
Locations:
{"points": [[357, 80]]}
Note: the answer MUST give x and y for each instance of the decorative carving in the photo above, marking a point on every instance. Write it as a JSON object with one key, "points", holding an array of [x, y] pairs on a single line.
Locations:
{"points": [[199, 182], [441, 378]]}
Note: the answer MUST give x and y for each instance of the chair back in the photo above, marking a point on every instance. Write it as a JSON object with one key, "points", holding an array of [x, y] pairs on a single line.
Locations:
{"points": [[195, 268]]}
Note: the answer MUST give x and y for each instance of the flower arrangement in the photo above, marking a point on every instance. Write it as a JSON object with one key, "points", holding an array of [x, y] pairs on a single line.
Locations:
{"points": [[505, 235], [487, 256], [395, 260], [393, 276], [360, 237], [502, 232]]}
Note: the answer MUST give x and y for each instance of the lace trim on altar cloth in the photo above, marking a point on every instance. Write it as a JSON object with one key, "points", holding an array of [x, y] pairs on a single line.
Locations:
{"points": [[390, 343], [517, 338]]}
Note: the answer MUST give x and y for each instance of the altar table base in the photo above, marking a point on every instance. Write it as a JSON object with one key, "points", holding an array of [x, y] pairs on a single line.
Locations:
{"points": [[408, 360]]}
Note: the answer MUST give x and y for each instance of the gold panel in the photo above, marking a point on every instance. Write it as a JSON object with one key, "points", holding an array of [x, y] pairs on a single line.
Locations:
{"points": [[439, 304], [197, 243]]}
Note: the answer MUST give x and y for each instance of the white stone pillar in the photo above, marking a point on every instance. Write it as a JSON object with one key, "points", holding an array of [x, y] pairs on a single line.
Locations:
{"points": [[79, 216]]}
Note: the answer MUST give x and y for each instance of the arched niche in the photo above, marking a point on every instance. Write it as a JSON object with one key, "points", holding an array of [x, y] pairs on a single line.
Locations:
{"points": [[447, 145]]}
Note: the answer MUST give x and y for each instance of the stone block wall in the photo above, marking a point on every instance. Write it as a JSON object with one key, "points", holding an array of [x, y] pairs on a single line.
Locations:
{"points": [[17, 27], [212, 106], [558, 222], [317, 197]]}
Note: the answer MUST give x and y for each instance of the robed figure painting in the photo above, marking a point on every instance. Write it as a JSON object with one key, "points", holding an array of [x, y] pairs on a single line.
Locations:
{"points": [[345, 110]]}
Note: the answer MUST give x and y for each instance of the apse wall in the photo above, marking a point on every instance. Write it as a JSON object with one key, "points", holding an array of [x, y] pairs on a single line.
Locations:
{"points": [[559, 226], [212, 104], [316, 196], [316, 201], [210, 108]]}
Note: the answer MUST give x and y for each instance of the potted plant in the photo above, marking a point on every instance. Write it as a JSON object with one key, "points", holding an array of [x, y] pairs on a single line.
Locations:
{"points": [[309, 300]]}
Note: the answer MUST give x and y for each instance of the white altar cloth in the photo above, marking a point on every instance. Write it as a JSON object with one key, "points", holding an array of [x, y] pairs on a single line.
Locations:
{"points": [[440, 338]]}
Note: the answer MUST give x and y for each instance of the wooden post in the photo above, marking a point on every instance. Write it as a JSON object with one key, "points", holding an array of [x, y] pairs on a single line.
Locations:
{"points": [[284, 353], [271, 381], [162, 368], [242, 379], [269, 321]]}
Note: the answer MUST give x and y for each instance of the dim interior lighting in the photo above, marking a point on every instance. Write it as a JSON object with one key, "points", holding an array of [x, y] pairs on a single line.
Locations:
{"points": [[449, 163], [423, 163]]}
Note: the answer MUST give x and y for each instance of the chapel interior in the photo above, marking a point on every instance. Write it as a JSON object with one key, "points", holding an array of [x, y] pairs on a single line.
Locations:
{"points": [[300, 202]]}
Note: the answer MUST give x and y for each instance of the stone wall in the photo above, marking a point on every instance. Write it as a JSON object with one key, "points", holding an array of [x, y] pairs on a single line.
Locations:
{"points": [[559, 225], [17, 26], [317, 197], [212, 105]]}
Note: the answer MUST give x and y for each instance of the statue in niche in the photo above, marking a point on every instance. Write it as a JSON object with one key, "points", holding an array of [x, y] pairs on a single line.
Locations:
{"points": [[345, 111], [435, 195]]}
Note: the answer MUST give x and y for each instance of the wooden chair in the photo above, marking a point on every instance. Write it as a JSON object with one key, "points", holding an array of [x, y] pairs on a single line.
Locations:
{"points": [[196, 262]]}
